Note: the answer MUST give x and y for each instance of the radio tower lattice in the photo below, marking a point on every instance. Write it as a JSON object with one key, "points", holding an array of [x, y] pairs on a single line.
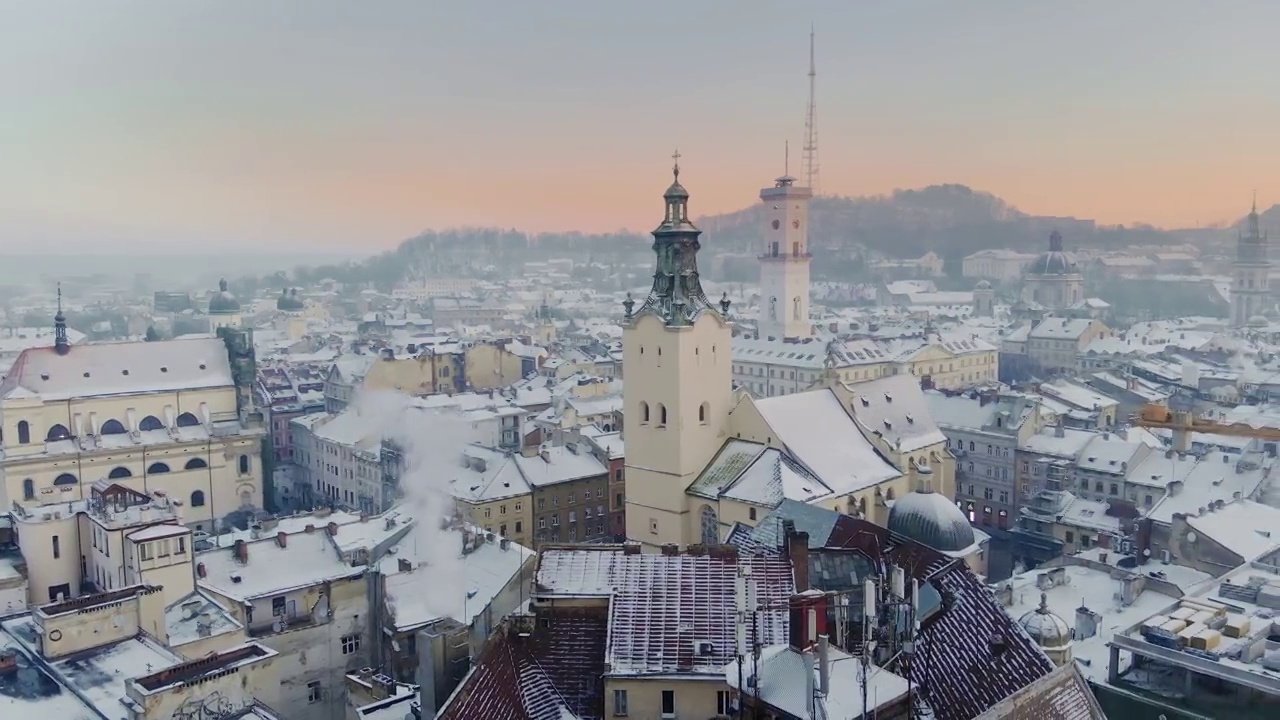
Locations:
{"points": [[811, 126]]}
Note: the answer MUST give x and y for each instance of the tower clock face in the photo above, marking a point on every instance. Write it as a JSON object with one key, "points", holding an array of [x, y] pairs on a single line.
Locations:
{"points": [[776, 224]]}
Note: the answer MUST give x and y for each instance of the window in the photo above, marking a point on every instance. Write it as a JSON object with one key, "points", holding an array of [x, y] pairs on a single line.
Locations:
{"points": [[571, 498], [65, 479], [313, 691], [195, 463], [619, 703], [669, 703], [181, 546], [618, 501], [112, 427], [1115, 489], [244, 464], [28, 489], [24, 432], [57, 548], [518, 506], [724, 706], [519, 529], [644, 412], [157, 468], [186, 419], [119, 472], [662, 415], [150, 422], [197, 498], [350, 644], [502, 509], [542, 502], [704, 412], [751, 512], [144, 551], [57, 432], [488, 512], [502, 529], [653, 526]]}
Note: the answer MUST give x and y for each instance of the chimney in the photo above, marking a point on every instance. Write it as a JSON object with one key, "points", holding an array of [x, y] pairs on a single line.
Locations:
{"points": [[798, 554], [504, 543], [241, 551], [807, 619], [404, 565], [333, 528], [1059, 431], [200, 571], [671, 549], [631, 548], [824, 665], [1086, 623], [309, 528], [282, 539]]}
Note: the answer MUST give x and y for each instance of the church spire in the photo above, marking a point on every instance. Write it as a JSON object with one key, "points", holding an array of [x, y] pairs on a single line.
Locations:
{"points": [[61, 344], [677, 296]]}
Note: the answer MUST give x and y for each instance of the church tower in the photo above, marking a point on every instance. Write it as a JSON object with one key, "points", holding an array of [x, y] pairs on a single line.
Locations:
{"points": [[784, 264], [1251, 272], [677, 360]]}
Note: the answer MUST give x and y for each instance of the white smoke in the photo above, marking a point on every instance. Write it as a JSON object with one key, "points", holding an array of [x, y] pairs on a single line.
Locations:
{"points": [[432, 442]]}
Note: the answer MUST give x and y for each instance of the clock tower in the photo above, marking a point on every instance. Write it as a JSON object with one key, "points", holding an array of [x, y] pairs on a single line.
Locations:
{"points": [[784, 264], [677, 360]]}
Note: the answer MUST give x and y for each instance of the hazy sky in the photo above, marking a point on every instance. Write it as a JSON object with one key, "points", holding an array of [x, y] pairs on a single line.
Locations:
{"points": [[334, 124]]}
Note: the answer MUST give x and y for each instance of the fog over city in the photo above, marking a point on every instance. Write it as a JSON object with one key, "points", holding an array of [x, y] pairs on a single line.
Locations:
{"points": [[579, 360]]}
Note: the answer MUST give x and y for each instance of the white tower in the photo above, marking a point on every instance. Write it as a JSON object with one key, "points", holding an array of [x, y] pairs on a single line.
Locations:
{"points": [[784, 264], [1251, 272], [677, 359]]}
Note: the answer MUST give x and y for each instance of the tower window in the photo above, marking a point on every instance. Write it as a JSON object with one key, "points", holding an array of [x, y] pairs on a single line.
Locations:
{"points": [[28, 489], [704, 413], [662, 415], [644, 412], [24, 432]]}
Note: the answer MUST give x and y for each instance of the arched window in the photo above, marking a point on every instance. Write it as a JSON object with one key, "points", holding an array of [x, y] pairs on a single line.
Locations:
{"points": [[157, 468], [119, 472], [244, 464], [644, 412], [704, 413], [151, 422], [66, 479], [112, 427], [662, 414], [187, 420], [57, 432], [195, 464], [24, 432], [28, 489], [197, 498], [710, 526]]}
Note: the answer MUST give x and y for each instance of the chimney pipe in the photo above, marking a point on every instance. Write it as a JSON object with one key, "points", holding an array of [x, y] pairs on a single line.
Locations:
{"points": [[824, 665], [282, 539], [333, 528], [241, 551]]}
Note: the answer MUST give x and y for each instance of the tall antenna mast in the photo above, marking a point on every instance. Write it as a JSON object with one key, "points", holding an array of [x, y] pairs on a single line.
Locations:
{"points": [[811, 125]]}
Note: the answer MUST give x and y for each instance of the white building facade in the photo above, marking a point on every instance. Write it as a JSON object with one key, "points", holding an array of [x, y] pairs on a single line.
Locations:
{"points": [[784, 264]]}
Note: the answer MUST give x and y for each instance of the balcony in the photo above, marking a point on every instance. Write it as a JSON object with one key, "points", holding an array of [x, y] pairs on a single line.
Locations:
{"points": [[282, 624]]}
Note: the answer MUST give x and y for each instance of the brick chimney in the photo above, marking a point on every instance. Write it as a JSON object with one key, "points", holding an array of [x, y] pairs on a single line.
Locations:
{"points": [[333, 528], [282, 539], [798, 554], [807, 619], [241, 551]]}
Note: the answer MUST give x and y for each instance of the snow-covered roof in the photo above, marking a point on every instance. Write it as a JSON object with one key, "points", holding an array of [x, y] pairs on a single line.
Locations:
{"points": [[1244, 527], [894, 409], [306, 559], [123, 368], [420, 596]]}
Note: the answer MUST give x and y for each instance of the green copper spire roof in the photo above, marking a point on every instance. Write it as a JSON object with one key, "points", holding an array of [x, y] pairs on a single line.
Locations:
{"points": [[677, 295]]}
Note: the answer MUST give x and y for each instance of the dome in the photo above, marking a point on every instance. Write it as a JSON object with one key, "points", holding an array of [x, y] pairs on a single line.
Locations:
{"points": [[289, 300], [1054, 262], [982, 285], [931, 519], [224, 303], [1048, 630]]}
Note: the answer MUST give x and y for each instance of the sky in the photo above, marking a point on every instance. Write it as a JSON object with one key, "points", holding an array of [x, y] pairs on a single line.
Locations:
{"points": [[328, 125]]}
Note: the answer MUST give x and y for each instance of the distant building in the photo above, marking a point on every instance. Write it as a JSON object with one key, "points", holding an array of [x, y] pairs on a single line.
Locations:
{"points": [[997, 265], [1053, 280], [1250, 290]]}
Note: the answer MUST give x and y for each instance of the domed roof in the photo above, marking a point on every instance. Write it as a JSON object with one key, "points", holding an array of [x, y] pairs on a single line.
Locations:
{"points": [[289, 300], [1047, 629], [982, 285], [931, 519], [224, 303], [1054, 262]]}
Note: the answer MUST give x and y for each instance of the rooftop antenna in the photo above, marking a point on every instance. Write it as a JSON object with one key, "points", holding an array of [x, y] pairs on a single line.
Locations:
{"points": [[786, 159], [811, 125]]}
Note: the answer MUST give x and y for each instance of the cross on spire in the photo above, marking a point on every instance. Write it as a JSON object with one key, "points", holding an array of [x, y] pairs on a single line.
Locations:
{"points": [[675, 169]]}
